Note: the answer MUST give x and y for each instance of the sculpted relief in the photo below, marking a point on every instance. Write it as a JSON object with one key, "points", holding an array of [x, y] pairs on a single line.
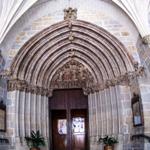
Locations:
{"points": [[72, 74]]}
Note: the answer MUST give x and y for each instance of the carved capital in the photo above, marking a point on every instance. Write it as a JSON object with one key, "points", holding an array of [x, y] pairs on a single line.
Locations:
{"points": [[88, 90], [146, 39], [21, 85], [16, 84], [125, 79], [76, 76], [50, 93]]}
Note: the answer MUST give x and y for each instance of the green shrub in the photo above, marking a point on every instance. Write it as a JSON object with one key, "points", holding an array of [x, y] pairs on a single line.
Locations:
{"points": [[35, 140], [108, 140]]}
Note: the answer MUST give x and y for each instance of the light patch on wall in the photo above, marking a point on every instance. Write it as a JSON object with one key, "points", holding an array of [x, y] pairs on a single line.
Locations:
{"points": [[125, 33], [92, 15]]}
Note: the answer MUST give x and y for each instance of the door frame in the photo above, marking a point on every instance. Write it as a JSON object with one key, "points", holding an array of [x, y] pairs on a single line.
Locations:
{"points": [[50, 121]]}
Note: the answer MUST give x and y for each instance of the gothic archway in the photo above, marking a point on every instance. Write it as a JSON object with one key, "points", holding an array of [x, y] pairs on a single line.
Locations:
{"points": [[69, 54], [99, 52]]}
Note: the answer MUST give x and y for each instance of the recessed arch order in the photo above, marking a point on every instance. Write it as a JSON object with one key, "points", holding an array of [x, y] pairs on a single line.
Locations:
{"points": [[101, 53]]}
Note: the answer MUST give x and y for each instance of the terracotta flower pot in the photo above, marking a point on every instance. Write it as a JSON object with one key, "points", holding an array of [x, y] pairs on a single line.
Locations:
{"points": [[106, 147], [34, 148]]}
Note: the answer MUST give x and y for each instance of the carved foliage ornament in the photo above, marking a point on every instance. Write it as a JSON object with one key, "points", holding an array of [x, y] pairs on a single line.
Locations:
{"points": [[125, 79], [74, 75], [21, 85], [70, 14]]}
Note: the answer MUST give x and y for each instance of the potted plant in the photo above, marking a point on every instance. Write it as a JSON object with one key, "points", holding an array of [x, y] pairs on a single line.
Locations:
{"points": [[108, 142], [35, 140]]}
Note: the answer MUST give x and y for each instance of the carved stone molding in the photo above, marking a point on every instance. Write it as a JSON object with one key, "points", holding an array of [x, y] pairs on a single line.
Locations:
{"points": [[21, 85], [70, 14], [126, 79], [146, 39], [67, 80]]}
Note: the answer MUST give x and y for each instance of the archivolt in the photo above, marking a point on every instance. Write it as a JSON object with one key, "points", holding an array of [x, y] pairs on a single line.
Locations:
{"points": [[101, 53]]}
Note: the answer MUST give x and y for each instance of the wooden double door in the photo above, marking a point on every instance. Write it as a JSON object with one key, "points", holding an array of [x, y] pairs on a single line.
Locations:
{"points": [[69, 120]]}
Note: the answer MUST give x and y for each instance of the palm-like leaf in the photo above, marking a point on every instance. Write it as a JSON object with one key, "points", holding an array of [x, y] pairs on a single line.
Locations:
{"points": [[108, 140], [35, 140]]}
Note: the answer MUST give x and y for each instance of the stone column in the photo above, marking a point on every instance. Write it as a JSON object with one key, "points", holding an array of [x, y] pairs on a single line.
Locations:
{"points": [[11, 117], [104, 115], [126, 126], [92, 121], [26, 112]]}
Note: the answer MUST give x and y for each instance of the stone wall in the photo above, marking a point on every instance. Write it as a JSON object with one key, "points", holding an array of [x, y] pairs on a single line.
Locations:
{"points": [[144, 87], [3, 82], [144, 54], [3, 98], [46, 14], [145, 95]]}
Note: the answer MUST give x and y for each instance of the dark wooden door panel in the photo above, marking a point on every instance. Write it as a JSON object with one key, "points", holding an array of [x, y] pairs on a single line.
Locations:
{"points": [[77, 100], [59, 100], [59, 134], [70, 105], [68, 99], [79, 129]]}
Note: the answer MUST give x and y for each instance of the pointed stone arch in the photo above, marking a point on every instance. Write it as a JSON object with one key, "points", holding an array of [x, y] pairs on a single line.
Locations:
{"points": [[97, 50]]}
